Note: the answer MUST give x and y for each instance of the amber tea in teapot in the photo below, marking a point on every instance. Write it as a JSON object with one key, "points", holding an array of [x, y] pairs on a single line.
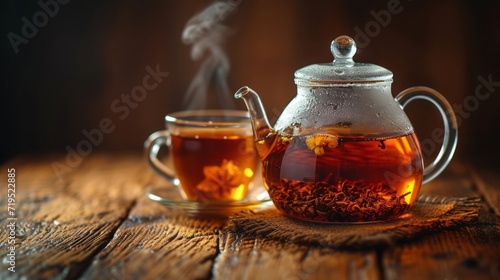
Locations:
{"points": [[351, 176], [343, 150]]}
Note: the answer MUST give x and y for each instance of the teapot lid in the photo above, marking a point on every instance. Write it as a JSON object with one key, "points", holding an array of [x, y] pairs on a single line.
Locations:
{"points": [[343, 70]]}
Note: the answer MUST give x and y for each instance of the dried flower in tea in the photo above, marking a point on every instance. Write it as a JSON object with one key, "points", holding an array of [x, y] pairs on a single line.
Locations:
{"points": [[318, 142], [220, 181]]}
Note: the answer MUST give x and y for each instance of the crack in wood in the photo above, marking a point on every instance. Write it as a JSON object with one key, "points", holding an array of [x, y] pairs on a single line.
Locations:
{"points": [[85, 265]]}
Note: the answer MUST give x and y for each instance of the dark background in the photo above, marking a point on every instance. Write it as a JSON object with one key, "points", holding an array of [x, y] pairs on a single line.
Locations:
{"points": [[65, 78]]}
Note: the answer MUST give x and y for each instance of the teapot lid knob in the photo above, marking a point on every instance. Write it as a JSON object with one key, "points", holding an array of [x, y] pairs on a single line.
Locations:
{"points": [[343, 71], [343, 49]]}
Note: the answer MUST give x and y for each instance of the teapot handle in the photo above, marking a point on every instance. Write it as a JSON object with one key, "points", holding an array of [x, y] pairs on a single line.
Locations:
{"points": [[450, 137]]}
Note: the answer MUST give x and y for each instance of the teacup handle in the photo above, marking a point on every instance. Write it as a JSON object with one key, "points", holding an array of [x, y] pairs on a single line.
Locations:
{"points": [[450, 137], [152, 146]]}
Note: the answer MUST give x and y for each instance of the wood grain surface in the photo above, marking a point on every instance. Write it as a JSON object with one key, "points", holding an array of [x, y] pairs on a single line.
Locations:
{"points": [[97, 223]]}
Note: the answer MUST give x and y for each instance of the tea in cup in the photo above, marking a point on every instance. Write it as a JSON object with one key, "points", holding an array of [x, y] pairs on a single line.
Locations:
{"points": [[212, 152]]}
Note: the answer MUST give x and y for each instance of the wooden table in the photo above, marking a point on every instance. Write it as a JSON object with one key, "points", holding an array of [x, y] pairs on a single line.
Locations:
{"points": [[95, 222]]}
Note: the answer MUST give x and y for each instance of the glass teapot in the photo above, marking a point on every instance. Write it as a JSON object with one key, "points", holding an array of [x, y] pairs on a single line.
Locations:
{"points": [[343, 149]]}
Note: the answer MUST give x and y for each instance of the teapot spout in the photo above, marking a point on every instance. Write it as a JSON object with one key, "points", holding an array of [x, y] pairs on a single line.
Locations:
{"points": [[264, 135]]}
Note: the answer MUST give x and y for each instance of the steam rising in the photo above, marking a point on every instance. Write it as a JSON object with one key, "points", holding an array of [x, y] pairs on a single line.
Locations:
{"points": [[206, 34]]}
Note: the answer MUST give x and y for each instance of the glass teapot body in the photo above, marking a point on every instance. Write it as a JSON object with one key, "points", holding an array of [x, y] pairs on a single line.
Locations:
{"points": [[344, 154]]}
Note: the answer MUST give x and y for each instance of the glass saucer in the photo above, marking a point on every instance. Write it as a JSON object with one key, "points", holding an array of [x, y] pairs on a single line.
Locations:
{"points": [[168, 195]]}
